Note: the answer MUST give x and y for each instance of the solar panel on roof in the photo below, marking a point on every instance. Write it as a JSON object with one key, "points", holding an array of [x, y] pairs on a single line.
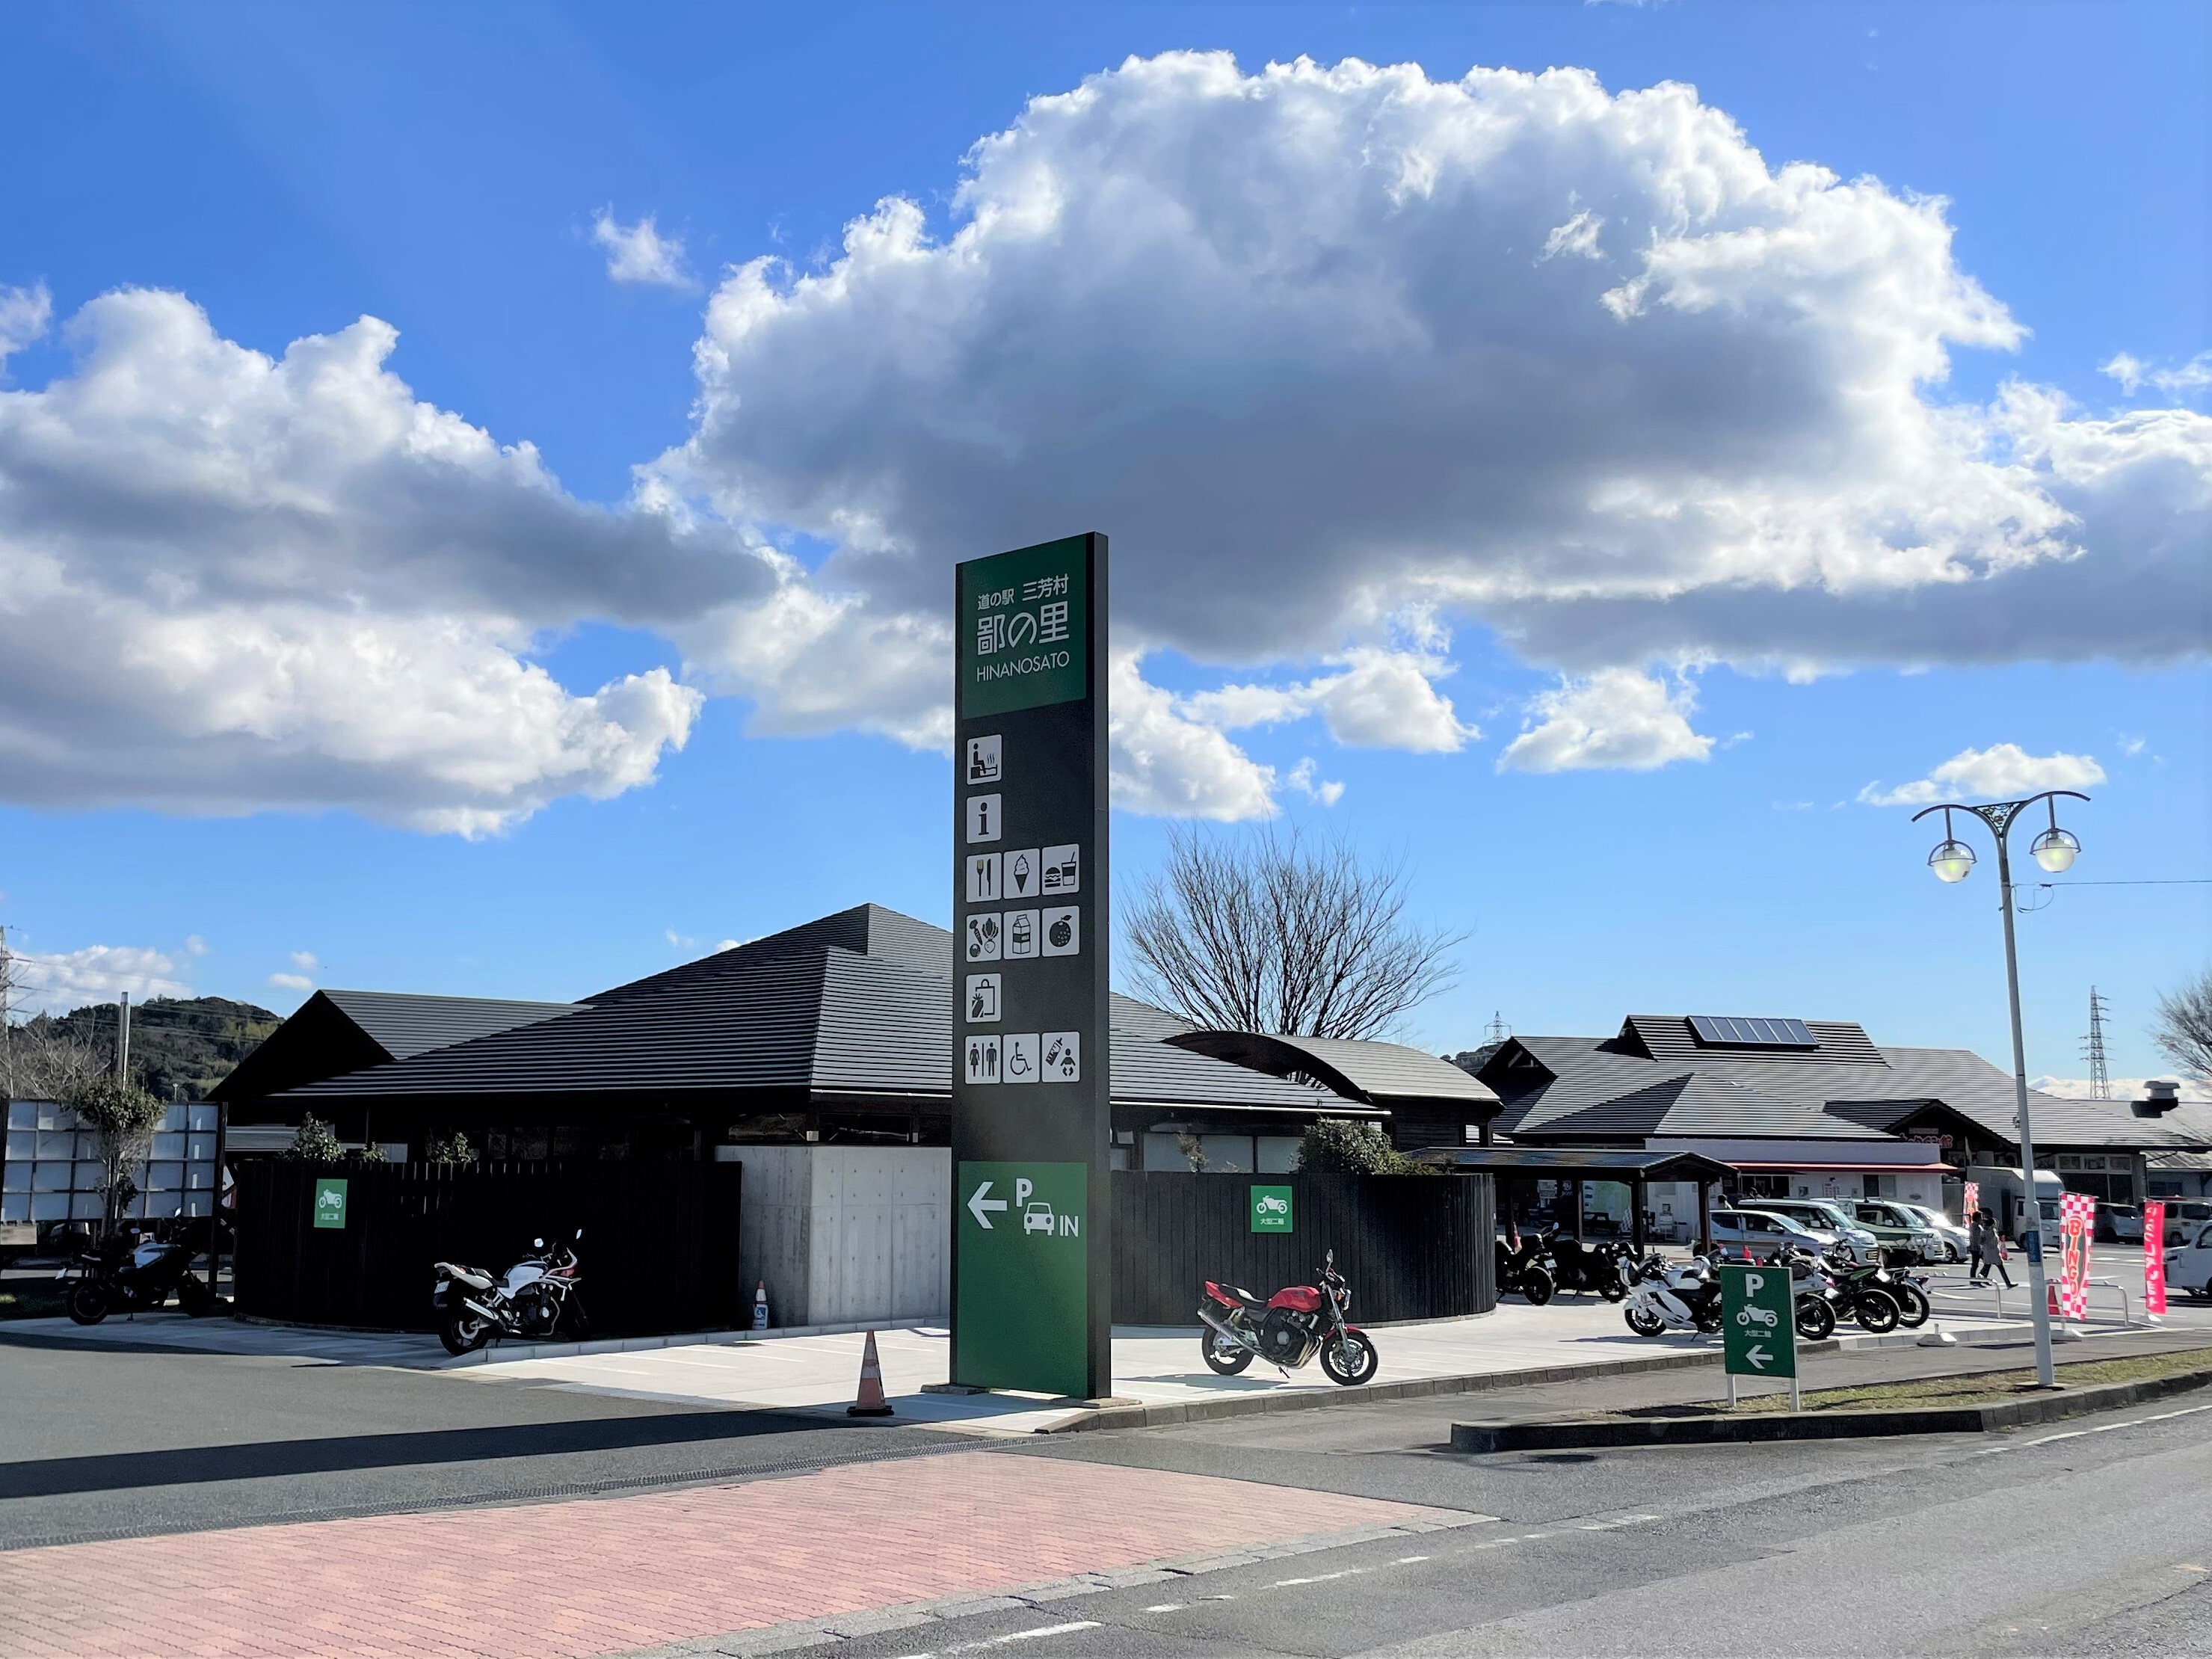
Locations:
{"points": [[1735, 1032]]}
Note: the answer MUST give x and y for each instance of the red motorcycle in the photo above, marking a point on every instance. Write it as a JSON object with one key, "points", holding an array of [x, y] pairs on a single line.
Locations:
{"points": [[1287, 1330]]}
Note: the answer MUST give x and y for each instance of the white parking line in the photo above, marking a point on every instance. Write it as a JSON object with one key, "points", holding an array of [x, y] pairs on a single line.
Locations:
{"points": [[2101, 1428], [1408, 1560], [1318, 1578]]}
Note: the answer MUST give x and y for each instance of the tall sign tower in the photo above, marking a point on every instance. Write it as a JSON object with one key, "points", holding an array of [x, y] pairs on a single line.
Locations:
{"points": [[1032, 1123]]}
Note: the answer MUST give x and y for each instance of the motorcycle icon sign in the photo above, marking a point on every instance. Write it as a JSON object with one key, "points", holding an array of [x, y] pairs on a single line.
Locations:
{"points": [[1757, 1316], [1268, 1204]]}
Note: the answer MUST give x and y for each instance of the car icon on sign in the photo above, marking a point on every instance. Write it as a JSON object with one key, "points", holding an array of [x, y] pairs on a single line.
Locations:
{"points": [[1037, 1218]]}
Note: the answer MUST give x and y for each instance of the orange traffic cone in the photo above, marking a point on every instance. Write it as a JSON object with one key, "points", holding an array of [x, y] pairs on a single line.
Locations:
{"points": [[872, 1402]]}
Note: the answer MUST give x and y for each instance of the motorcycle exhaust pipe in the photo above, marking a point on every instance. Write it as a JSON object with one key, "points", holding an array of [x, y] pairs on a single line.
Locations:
{"points": [[476, 1307], [1227, 1332]]}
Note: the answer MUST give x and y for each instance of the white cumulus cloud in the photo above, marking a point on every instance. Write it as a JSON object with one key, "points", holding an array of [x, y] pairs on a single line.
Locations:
{"points": [[2132, 373], [640, 253], [230, 582], [57, 981], [1165, 764], [1616, 718], [2001, 771], [25, 313]]}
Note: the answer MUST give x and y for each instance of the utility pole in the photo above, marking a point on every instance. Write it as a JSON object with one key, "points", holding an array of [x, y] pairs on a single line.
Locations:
{"points": [[7, 1019], [2093, 1047], [122, 1037]]}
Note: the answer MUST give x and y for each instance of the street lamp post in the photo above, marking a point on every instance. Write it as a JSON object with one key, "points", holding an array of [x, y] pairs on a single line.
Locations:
{"points": [[1952, 860]]}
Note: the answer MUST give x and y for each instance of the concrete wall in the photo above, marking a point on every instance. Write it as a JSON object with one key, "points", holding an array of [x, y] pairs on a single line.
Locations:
{"points": [[843, 1235]]}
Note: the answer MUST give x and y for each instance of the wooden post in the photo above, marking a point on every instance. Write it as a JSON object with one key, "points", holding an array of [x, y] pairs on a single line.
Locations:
{"points": [[1578, 1209], [1705, 1211], [1636, 1214]]}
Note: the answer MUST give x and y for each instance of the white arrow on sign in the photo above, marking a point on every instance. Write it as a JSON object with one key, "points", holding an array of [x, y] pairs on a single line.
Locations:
{"points": [[977, 1204], [1756, 1353]]}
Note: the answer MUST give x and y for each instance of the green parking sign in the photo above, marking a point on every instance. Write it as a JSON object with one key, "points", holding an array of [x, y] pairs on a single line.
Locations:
{"points": [[1759, 1329], [1271, 1210], [1021, 1275], [330, 1201]]}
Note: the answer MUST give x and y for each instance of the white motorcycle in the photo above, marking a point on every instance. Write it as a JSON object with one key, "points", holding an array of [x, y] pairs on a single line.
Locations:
{"points": [[1664, 1298], [530, 1302]]}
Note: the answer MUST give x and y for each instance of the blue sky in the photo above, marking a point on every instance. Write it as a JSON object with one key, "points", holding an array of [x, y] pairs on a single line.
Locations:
{"points": [[1682, 828]]}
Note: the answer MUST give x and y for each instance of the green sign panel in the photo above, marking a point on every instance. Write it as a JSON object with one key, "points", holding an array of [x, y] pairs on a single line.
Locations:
{"points": [[1271, 1210], [330, 1201], [1758, 1327], [1024, 639], [1022, 1284]]}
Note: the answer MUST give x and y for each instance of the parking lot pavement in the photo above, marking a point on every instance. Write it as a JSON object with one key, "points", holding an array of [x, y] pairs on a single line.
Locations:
{"points": [[538, 1581]]}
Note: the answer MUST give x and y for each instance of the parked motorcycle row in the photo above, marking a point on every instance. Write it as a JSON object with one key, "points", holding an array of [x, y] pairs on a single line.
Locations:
{"points": [[1665, 1296], [1545, 1263], [128, 1272]]}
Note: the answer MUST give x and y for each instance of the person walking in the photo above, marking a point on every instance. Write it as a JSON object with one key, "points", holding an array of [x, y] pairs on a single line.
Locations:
{"points": [[1986, 1251]]}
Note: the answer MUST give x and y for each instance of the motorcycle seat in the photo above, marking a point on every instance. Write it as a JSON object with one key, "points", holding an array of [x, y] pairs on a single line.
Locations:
{"points": [[1237, 1294]]}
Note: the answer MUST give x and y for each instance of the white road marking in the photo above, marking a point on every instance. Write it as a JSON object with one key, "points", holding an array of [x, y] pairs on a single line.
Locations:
{"points": [[2101, 1428], [1000, 1641], [1408, 1560], [1166, 1606], [1318, 1578]]}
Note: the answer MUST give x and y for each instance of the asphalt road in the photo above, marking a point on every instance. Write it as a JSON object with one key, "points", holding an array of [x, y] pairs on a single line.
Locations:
{"points": [[99, 1442], [2093, 1539]]}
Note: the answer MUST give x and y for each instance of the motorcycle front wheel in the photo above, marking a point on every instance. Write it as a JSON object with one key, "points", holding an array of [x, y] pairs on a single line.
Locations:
{"points": [[463, 1332], [1350, 1359], [88, 1302], [1816, 1320], [196, 1299], [1612, 1289], [1912, 1309], [1644, 1321], [1222, 1359], [578, 1322], [1536, 1285], [1876, 1312]]}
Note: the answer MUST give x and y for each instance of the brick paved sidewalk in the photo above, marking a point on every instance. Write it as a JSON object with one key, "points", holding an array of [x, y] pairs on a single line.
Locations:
{"points": [[557, 1580]]}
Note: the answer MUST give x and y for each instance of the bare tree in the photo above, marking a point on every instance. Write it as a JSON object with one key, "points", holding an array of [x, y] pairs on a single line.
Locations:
{"points": [[48, 1059], [1272, 933], [123, 1118], [2183, 1029]]}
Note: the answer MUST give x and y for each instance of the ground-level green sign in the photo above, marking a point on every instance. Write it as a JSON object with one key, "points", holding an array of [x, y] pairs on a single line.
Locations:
{"points": [[1023, 1274], [1271, 1210], [330, 1201], [1758, 1330]]}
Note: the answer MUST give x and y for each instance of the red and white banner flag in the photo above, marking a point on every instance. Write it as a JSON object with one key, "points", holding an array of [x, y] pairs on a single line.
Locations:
{"points": [[2154, 1257], [1970, 1201], [2070, 1296]]}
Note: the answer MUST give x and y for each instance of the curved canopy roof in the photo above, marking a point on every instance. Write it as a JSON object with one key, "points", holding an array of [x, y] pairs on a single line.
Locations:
{"points": [[1378, 1073]]}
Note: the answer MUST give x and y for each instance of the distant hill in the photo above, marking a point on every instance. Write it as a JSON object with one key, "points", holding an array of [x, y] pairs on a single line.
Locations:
{"points": [[180, 1047]]}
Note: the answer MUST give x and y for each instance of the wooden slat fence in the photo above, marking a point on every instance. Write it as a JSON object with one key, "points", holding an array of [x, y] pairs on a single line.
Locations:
{"points": [[1411, 1247], [659, 1250]]}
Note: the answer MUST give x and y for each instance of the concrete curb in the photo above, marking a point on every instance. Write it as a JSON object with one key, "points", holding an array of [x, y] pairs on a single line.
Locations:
{"points": [[501, 1353], [1423, 1387], [1718, 1427]]}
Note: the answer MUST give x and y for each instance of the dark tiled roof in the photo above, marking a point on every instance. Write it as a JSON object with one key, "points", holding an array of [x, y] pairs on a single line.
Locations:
{"points": [[1587, 1086], [404, 1025], [1669, 1038], [799, 1013], [1377, 1073]]}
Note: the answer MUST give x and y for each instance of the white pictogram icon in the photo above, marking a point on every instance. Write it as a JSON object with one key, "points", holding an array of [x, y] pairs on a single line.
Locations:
{"points": [[983, 761], [983, 879], [1063, 1057], [1021, 873], [1063, 870], [983, 1060], [983, 941], [981, 1001], [983, 817], [1021, 1058], [1022, 934], [1063, 932]]}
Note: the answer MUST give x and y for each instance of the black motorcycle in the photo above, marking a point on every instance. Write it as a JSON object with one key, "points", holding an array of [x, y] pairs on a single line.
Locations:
{"points": [[1865, 1293], [1526, 1271], [127, 1273], [1576, 1265]]}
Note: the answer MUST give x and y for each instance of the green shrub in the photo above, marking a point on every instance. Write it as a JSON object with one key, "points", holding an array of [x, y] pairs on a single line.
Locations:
{"points": [[1334, 1146], [317, 1142]]}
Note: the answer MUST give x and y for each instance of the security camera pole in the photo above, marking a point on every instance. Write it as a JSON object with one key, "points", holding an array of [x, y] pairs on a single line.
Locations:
{"points": [[1952, 860]]}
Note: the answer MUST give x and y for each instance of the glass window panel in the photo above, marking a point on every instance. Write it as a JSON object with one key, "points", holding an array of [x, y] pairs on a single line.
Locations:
{"points": [[165, 1177], [22, 1114], [15, 1206], [169, 1143], [84, 1206], [51, 1206], [23, 1143]]}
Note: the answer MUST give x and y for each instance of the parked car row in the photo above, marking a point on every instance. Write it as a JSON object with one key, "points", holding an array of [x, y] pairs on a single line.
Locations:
{"points": [[1855, 1227]]}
